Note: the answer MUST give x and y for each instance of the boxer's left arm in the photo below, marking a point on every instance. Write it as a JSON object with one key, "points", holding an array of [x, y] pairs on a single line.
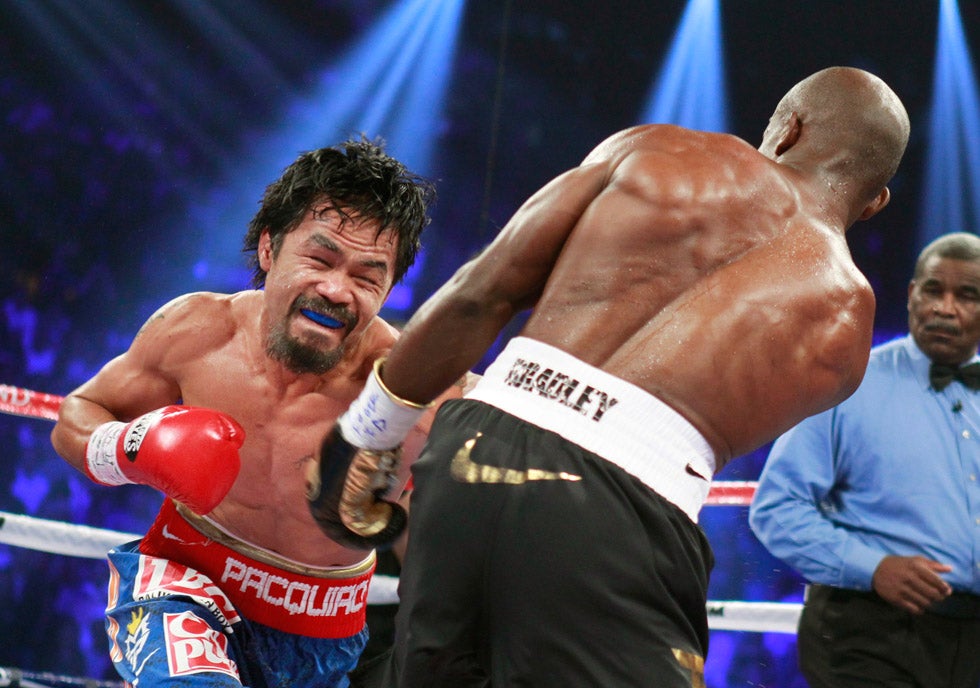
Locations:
{"points": [[415, 441], [144, 377], [456, 326]]}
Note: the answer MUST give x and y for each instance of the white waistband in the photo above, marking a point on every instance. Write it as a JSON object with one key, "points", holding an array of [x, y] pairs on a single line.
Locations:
{"points": [[603, 414]]}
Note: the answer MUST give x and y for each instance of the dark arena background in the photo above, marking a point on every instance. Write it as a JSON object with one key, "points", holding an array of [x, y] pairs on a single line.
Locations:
{"points": [[137, 138]]}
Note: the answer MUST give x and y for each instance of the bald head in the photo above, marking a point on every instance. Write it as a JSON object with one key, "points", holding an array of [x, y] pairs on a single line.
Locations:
{"points": [[849, 124]]}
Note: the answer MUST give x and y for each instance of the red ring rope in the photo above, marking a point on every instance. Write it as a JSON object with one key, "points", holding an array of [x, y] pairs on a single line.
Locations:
{"points": [[24, 402]]}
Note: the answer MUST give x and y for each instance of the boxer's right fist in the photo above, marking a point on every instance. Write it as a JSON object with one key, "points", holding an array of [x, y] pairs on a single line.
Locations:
{"points": [[345, 490], [356, 465], [188, 453]]}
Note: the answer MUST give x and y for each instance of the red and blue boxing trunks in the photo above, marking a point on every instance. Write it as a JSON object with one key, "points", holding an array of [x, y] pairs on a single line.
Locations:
{"points": [[186, 609]]}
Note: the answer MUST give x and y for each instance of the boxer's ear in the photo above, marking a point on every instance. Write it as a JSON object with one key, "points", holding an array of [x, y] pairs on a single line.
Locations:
{"points": [[264, 250], [875, 206], [789, 134]]}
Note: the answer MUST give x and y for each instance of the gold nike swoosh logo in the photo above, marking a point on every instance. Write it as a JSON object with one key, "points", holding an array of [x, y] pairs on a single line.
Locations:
{"points": [[693, 663], [466, 470]]}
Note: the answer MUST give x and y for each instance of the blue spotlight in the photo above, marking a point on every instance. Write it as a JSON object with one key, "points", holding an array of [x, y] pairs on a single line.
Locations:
{"points": [[391, 84], [951, 197], [690, 88]]}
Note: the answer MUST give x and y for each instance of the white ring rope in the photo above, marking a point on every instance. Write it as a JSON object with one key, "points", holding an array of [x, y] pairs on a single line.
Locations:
{"points": [[59, 538], [75, 540], [757, 617], [18, 678]]}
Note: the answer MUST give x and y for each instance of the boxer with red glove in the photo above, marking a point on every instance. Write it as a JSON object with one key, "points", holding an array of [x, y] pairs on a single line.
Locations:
{"points": [[356, 468], [186, 452]]}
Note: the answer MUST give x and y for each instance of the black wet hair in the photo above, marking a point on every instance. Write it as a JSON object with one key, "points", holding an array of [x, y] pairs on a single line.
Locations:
{"points": [[356, 177]]}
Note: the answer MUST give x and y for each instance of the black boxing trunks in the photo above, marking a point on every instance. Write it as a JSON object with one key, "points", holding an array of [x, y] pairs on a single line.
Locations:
{"points": [[553, 539]]}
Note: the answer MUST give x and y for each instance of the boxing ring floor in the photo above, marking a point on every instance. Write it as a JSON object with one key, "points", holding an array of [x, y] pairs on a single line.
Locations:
{"points": [[752, 642]]}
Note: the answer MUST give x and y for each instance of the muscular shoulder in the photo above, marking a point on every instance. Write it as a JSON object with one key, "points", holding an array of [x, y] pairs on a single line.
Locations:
{"points": [[658, 144], [691, 171], [194, 323], [842, 305], [193, 309]]}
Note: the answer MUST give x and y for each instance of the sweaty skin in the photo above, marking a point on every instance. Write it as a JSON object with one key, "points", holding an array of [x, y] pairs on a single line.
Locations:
{"points": [[209, 350], [742, 309], [711, 274]]}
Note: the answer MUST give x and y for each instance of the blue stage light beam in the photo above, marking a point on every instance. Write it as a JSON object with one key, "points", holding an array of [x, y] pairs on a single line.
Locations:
{"points": [[951, 197], [394, 76], [690, 87], [86, 37], [419, 123], [253, 65], [391, 84]]}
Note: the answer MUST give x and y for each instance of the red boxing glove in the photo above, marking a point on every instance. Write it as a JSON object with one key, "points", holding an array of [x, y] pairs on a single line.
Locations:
{"points": [[188, 453]]}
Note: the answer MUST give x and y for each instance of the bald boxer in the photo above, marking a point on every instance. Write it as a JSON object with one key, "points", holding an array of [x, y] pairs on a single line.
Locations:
{"points": [[218, 403], [691, 297]]}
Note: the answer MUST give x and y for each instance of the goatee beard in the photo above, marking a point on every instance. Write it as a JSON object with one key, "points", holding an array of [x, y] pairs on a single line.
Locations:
{"points": [[299, 357]]}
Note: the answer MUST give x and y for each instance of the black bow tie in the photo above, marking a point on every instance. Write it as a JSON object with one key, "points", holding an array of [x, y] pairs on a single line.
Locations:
{"points": [[940, 376]]}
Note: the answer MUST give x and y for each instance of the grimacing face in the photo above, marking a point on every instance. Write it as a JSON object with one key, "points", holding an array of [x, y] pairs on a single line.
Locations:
{"points": [[328, 281], [944, 309]]}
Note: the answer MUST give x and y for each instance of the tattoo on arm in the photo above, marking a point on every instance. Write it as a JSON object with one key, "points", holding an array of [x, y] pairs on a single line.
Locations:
{"points": [[155, 316], [162, 313]]}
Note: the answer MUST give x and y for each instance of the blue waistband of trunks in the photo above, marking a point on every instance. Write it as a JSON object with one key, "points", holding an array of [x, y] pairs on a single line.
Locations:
{"points": [[603, 414]]}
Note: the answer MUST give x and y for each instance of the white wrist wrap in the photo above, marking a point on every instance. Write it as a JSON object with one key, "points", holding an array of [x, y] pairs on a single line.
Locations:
{"points": [[100, 454], [377, 419]]}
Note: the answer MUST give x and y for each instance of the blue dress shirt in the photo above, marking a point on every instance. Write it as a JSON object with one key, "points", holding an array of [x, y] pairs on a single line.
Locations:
{"points": [[894, 469]]}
